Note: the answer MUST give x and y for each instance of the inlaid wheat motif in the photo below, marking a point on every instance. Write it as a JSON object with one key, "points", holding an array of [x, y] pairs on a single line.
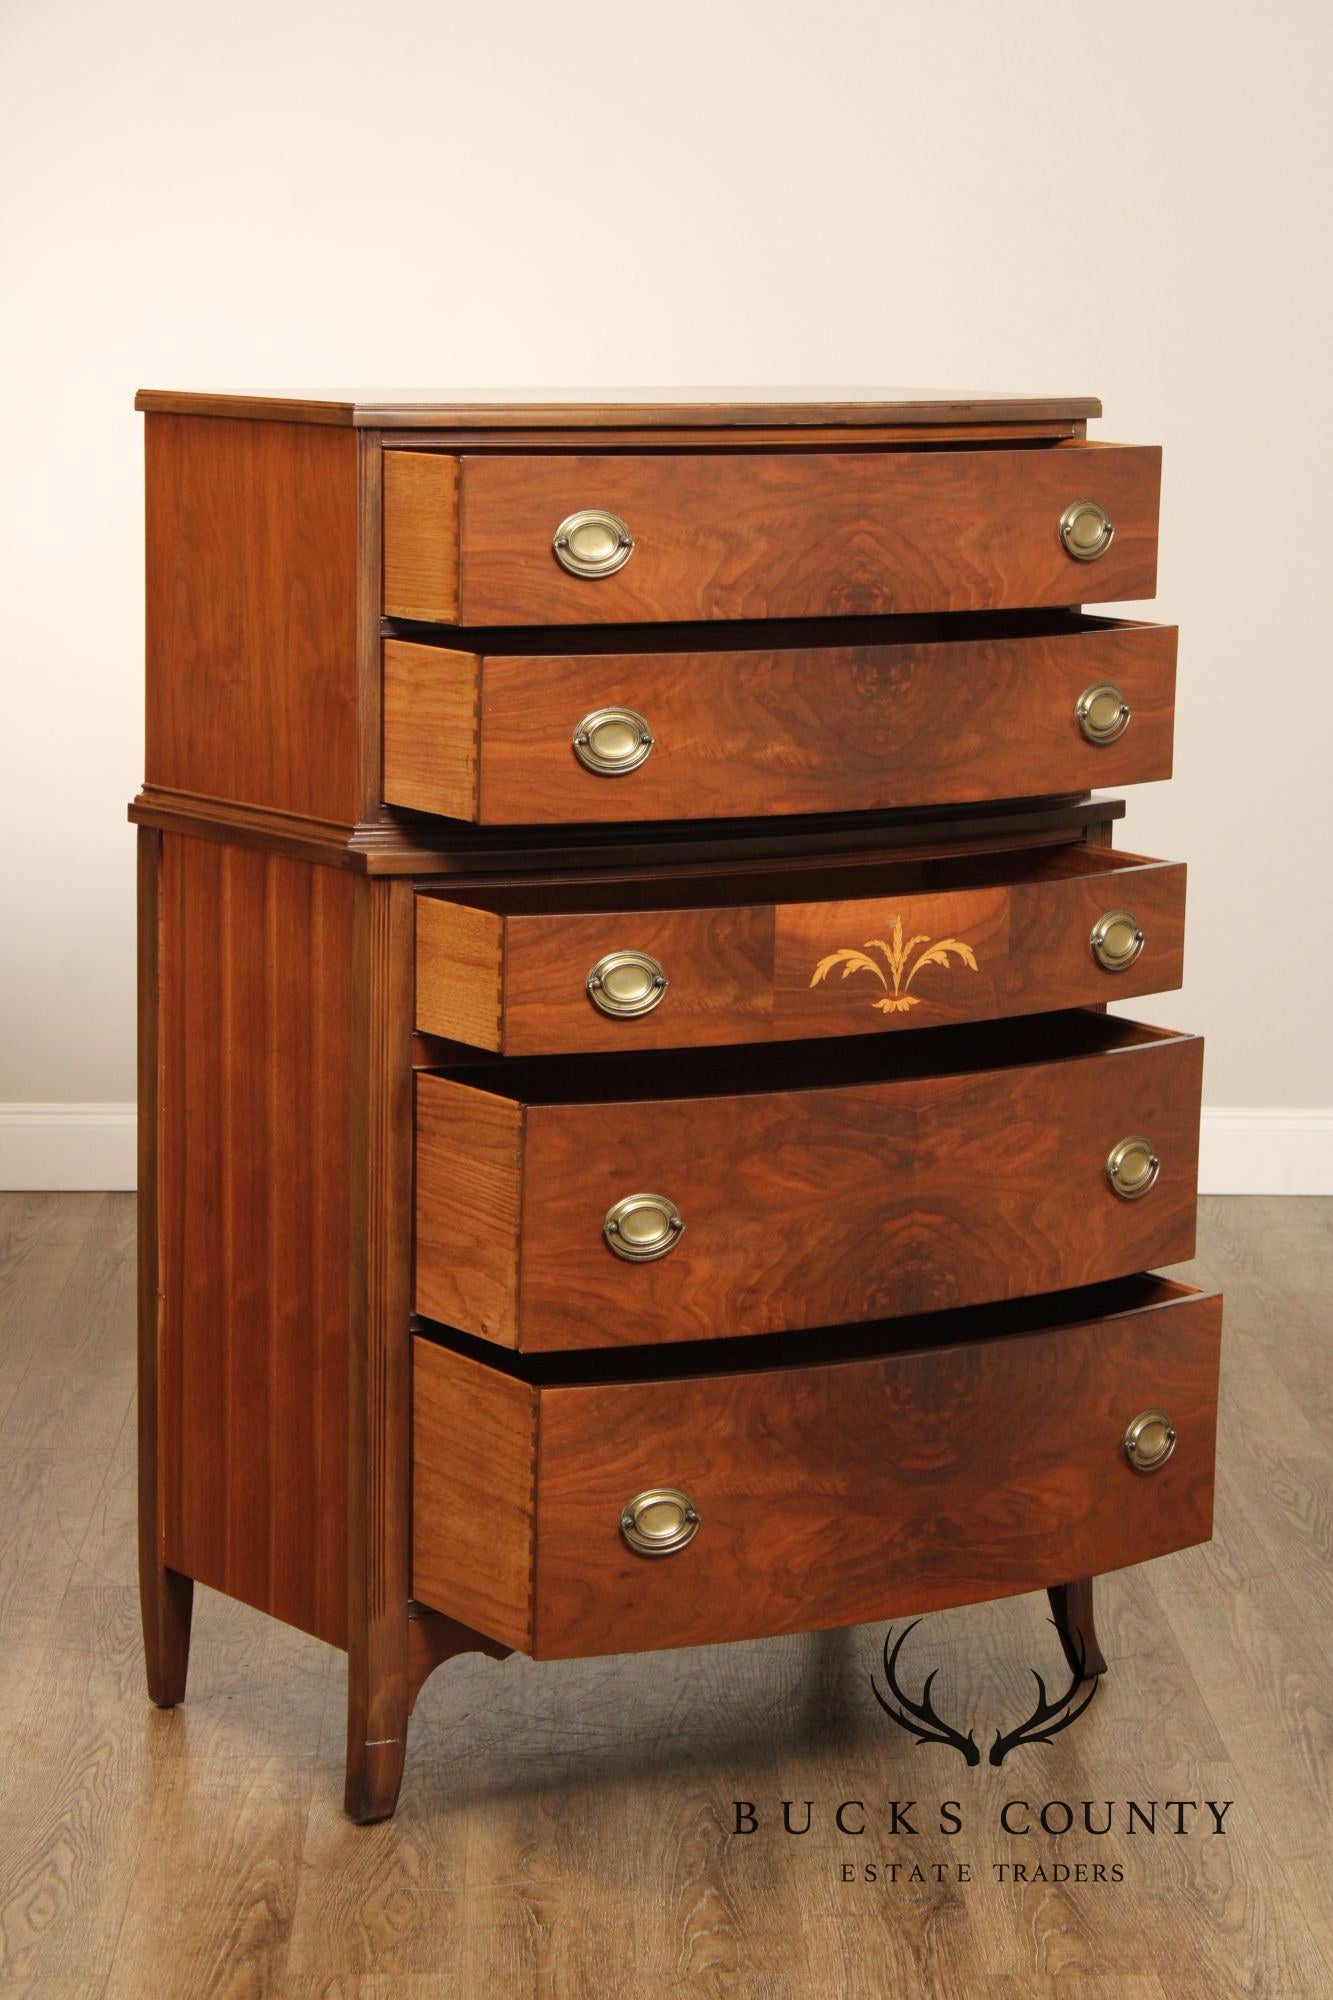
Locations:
{"points": [[902, 966]]}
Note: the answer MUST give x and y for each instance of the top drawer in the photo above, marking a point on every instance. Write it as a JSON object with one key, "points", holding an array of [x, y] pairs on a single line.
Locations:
{"points": [[680, 536]]}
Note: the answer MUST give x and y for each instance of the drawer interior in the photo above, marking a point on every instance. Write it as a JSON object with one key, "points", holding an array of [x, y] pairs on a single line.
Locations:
{"points": [[754, 635], [822, 881], [824, 1346], [737, 1071]]}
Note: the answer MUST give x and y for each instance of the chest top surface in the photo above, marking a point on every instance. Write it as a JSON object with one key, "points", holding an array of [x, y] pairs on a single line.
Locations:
{"points": [[640, 408]]}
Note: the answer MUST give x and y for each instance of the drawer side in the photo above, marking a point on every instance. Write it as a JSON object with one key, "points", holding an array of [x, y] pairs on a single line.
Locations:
{"points": [[460, 973], [473, 1476], [421, 536], [469, 1186], [431, 697]]}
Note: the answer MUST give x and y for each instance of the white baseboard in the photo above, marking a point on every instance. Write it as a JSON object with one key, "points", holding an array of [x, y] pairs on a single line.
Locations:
{"points": [[1265, 1151], [1243, 1151], [67, 1146]]}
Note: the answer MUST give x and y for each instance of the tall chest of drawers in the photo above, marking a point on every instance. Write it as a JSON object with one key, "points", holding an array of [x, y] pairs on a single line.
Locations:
{"points": [[634, 1151]]}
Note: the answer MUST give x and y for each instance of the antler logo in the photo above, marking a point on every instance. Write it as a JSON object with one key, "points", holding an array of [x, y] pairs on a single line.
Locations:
{"points": [[920, 1720], [903, 968]]}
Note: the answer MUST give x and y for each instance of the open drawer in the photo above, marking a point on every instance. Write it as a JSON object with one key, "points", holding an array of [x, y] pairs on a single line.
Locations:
{"points": [[714, 722], [849, 949], [591, 1201], [567, 538], [863, 1473]]}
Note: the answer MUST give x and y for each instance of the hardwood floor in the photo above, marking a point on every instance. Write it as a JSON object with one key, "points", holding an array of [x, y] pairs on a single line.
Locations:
{"points": [[566, 1830]]}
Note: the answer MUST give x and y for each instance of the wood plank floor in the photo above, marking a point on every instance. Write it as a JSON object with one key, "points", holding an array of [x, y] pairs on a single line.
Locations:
{"points": [[566, 1830]]}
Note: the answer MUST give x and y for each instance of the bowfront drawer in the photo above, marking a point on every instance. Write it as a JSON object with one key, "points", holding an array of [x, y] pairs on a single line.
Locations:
{"points": [[583, 1507], [590, 1201], [728, 723], [561, 539], [864, 950]]}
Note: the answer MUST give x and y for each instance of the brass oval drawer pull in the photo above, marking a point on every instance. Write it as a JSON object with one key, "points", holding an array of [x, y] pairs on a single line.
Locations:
{"points": [[592, 543], [612, 740], [1102, 712], [1149, 1441], [1116, 940], [660, 1521], [1132, 1167], [1086, 530], [625, 983], [640, 1227]]}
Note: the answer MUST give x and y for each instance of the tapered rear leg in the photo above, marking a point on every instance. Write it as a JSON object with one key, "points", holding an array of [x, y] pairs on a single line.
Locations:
{"points": [[166, 1599], [1075, 1621]]}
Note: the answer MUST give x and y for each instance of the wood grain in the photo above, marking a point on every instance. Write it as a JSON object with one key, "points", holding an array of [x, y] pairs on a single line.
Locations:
{"points": [[421, 535], [469, 1164], [475, 1468], [252, 617], [430, 730], [775, 728], [871, 1490], [854, 1184], [508, 971], [778, 536], [255, 1227], [460, 953], [962, 1467]]}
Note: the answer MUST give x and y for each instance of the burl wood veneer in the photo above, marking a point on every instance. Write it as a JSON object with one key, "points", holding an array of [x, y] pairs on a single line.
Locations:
{"points": [[805, 717], [625, 941], [507, 969], [879, 1448], [768, 534], [854, 1183]]}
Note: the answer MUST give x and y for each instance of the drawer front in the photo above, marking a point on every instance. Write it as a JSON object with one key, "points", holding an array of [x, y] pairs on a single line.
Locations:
{"points": [[829, 1494], [547, 981], [800, 1206], [776, 535], [775, 728]]}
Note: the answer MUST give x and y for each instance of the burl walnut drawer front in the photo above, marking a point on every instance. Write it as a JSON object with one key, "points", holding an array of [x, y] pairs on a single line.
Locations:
{"points": [[589, 1201], [720, 722], [566, 539], [775, 957], [968, 1462]]}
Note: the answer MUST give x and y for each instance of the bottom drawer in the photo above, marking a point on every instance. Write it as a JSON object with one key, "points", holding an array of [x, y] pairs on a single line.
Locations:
{"points": [[917, 1463]]}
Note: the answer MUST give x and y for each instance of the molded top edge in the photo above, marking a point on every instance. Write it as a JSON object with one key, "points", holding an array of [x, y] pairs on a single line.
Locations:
{"points": [[647, 409]]}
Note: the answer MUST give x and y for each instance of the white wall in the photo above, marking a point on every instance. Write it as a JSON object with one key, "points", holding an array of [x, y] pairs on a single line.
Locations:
{"points": [[1124, 200]]}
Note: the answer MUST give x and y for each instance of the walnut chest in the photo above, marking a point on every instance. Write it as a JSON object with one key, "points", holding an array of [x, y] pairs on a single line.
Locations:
{"points": [[634, 1151]]}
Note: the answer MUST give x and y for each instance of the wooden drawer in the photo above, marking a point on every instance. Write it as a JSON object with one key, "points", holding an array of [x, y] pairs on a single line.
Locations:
{"points": [[470, 540], [541, 970], [817, 1182], [750, 721], [910, 1467]]}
